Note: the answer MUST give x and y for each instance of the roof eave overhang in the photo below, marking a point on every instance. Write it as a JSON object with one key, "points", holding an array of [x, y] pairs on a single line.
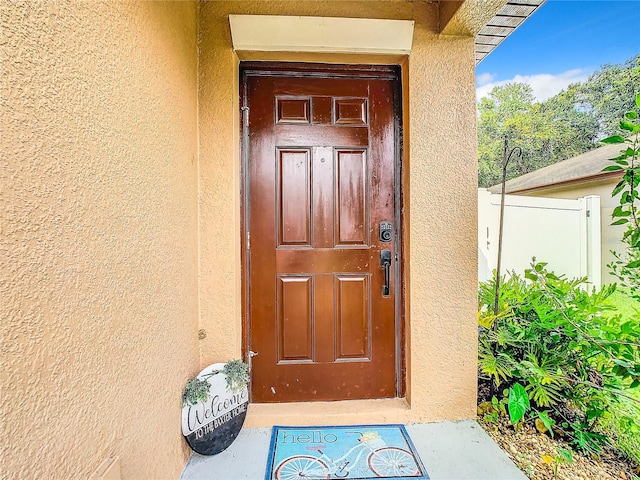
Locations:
{"points": [[489, 21], [565, 183]]}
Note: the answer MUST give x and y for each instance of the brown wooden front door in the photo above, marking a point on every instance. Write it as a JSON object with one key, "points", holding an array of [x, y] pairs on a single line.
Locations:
{"points": [[320, 169]]}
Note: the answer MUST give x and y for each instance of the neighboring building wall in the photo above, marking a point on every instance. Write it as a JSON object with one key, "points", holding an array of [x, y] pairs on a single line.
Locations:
{"points": [[611, 235], [441, 201], [98, 236]]}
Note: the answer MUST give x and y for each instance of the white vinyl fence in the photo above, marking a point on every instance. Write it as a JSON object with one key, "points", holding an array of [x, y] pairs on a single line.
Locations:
{"points": [[564, 233]]}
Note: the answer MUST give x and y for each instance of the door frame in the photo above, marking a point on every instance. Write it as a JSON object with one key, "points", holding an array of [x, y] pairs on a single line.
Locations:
{"points": [[320, 70]]}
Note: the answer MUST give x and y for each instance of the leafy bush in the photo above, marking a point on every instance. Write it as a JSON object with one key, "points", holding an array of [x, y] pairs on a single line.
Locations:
{"points": [[626, 266], [551, 341]]}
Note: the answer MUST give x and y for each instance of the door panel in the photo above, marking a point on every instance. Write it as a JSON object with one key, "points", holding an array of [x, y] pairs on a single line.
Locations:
{"points": [[321, 170], [294, 180], [295, 320], [352, 317], [352, 200]]}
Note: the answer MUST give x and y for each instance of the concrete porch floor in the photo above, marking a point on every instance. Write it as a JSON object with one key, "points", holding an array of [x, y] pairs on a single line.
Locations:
{"points": [[449, 450]]}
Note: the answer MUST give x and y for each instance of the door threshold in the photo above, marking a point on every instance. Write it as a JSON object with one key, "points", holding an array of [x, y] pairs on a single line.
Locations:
{"points": [[345, 412]]}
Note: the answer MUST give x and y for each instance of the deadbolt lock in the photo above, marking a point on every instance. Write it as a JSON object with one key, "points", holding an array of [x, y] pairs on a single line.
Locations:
{"points": [[386, 231]]}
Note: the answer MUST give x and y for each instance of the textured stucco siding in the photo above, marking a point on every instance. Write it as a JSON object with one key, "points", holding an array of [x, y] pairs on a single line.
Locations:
{"points": [[440, 212], [98, 235], [442, 227]]}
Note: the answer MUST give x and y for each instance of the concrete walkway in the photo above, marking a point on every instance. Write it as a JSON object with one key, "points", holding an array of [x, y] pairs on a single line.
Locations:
{"points": [[449, 450]]}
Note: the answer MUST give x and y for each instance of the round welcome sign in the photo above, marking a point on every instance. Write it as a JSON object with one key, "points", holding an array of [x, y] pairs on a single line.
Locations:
{"points": [[214, 406]]}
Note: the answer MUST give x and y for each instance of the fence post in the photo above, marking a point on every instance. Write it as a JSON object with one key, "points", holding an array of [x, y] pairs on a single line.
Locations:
{"points": [[594, 240]]}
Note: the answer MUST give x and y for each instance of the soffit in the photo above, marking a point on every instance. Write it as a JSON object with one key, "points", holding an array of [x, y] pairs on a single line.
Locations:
{"points": [[503, 24]]}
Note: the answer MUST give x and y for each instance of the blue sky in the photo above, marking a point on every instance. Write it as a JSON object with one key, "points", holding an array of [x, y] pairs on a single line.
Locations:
{"points": [[562, 43]]}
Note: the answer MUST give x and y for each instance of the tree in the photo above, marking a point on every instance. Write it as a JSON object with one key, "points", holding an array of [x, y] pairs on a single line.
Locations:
{"points": [[547, 132], [578, 128], [497, 113], [561, 127], [609, 93]]}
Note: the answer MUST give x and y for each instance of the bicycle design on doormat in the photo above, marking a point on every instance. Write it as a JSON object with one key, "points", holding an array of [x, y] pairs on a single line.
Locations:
{"points": [[369, 458]]}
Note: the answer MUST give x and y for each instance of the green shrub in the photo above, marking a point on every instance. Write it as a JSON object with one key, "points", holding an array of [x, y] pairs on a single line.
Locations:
{"points": [[626, 266], [551, 338]]}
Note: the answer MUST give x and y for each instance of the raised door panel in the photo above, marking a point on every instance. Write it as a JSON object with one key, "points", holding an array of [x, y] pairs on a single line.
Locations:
{"points": [[352, 317], [295, 320], [294, 199], [293, 110], [352, 197], [350, 111]]}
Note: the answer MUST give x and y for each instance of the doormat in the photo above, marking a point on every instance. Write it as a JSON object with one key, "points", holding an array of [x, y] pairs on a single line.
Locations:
{"points": [[357, 452]]}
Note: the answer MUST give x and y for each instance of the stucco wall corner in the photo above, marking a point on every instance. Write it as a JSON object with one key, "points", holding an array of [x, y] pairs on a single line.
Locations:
{"points": [[443, 236], [219, 171]]}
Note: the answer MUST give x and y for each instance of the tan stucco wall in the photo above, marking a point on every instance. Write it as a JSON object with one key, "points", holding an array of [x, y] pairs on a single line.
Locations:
{"points": [[611, 235], [98, 235], [441, 212]]}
